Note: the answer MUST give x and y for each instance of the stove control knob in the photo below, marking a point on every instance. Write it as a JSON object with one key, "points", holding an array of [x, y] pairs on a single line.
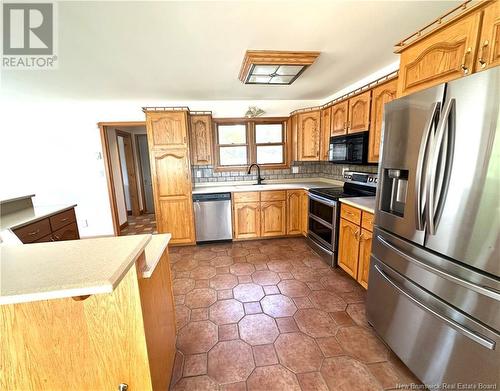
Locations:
{"points": [[376, 180]]}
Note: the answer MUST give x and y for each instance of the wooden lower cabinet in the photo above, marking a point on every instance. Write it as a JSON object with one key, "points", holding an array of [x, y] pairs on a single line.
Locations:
{"points": [[296, 212], [94, 342], [69, 232], [355, 244], [273, 218], [348, 247], [365, 248], [175, 217], [269, 214], [246, 220]]}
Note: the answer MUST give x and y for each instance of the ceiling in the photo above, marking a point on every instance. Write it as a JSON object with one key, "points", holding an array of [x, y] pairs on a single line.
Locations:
{"points": [[193, 50]]}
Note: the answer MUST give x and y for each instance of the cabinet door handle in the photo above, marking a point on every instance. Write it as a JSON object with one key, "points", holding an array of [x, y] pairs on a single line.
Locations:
{"points": [[63, 220], [464, 67], [33, 233], [481, 58], [56, 238]]}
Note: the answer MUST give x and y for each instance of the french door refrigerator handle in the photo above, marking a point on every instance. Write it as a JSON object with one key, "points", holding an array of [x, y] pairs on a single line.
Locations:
{"points": [[435, 197], [482, 290], [422, 158], [487, 343]]}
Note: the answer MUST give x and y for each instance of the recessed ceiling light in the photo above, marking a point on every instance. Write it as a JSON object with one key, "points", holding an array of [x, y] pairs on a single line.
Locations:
{"points": [[274, 67]]}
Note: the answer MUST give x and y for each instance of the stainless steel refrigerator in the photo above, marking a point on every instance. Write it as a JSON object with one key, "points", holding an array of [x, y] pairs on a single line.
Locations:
{"points": [[434, 285]]}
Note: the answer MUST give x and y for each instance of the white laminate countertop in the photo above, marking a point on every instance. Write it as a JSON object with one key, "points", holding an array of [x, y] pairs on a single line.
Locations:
{"points": [[305, 183], [43, 271], [154, 250], [364, 203]]}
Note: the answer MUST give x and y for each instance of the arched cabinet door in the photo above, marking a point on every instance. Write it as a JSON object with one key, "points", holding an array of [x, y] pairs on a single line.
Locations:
{"points": [[380, 96], [246, 220], [348, 247], [294, 212], [201, 139], [167, 129], [308, 137], [273, 218], [359, 113], [339, 118]]}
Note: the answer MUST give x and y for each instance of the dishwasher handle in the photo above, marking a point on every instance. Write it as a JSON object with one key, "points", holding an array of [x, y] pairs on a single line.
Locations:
{"points": [[211, 197]]}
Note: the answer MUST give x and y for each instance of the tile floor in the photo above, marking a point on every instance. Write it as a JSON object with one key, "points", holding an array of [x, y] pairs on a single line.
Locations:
{"points": [[270, 315], [143, 224]]}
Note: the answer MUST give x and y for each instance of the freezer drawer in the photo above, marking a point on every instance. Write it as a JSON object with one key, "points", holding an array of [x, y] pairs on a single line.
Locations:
{"points": [[474, 293], [438, 343]]}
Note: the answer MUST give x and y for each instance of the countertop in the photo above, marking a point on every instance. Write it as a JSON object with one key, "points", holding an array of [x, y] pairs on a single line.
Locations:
{"points": [[30, 215], [304, 183], [43, 271], [364, 203]]}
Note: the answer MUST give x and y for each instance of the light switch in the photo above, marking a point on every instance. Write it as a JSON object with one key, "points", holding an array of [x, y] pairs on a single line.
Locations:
{"points": [[198, 173]]}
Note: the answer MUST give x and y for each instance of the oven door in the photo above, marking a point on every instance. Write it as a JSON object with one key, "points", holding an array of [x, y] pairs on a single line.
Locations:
{"points": [[321, 221]]}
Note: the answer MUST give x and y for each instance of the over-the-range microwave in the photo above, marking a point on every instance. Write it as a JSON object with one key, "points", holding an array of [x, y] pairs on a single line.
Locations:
{"points": [[349, 149]]}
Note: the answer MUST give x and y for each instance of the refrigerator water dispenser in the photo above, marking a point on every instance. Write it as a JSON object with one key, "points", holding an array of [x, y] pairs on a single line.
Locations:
{"points": [[394, 191]]}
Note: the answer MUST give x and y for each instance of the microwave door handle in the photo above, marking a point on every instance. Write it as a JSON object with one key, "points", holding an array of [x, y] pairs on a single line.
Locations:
{"points": [[441, 164], [420, 176]]}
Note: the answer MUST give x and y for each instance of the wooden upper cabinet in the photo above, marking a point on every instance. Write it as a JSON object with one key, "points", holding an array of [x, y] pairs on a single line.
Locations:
{"points": [[445, 54], [339, 118], [294, 212], [293, 131], [201, 139], [359, 113], [273, 218], [308, 136], [246, 220], [167, 128], [326, 130], [489, 44], [365, 248], [348, 247], [380, 96]]}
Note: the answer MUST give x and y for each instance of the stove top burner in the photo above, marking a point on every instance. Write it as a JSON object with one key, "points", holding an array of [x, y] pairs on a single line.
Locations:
{"points": [[334, 193]]}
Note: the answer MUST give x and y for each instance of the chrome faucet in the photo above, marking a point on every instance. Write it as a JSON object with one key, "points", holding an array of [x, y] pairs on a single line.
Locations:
{"points": [[259, 178]]}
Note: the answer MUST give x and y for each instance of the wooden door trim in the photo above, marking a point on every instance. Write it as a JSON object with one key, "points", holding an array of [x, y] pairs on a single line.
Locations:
{"points": [[103, 127], [136, 208], [139, 163]]}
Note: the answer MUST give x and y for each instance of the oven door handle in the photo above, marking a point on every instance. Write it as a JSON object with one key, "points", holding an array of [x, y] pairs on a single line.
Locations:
{"points": [[322, 200]]}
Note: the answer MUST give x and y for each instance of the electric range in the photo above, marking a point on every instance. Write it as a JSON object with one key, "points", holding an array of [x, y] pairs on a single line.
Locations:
{"points": [[324, 211]]}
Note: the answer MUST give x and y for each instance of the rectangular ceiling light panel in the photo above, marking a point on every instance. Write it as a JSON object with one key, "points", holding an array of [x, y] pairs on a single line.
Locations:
{"points": [[274, 67]]}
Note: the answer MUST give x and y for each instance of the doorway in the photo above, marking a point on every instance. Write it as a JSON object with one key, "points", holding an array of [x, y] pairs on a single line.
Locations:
{"points": [[126, 159]]}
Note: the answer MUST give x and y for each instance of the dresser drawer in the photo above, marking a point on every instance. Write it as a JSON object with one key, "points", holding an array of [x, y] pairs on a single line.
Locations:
{"points": [[367, 221], [30, 233], [61, 219], [276, 195], [68, 232], [246, 196], [350, 213]]}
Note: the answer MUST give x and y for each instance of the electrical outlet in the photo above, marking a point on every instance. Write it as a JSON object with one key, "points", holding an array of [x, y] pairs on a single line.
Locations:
{"points": [[295, 170], [198, 173]]}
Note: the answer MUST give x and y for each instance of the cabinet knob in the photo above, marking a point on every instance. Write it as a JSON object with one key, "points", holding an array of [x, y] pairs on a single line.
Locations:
{"points": [[122, 387]]}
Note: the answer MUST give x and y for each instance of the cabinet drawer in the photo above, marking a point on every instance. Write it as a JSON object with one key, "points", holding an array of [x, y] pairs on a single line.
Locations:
{"points": [[32, 232], [246, 196], [367, 221], [277, 195], [69, 232], [350, 213], [61, 219], [45, 239]]}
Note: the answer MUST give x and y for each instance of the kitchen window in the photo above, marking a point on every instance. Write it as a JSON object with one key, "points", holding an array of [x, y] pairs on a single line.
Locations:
{"points": [[240, 143]]}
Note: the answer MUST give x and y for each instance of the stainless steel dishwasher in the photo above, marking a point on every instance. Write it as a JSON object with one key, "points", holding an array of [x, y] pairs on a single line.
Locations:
{"points": [[212, 214]]}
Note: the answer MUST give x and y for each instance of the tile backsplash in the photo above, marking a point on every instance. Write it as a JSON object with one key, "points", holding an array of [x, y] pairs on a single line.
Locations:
{"points": [[204, 174]]}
